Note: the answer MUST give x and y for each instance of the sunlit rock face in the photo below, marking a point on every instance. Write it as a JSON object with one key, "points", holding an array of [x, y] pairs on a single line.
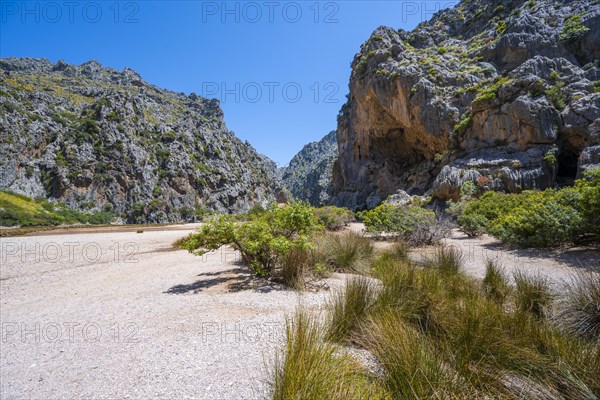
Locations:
{"points": [[507, 90], [97, 138]]}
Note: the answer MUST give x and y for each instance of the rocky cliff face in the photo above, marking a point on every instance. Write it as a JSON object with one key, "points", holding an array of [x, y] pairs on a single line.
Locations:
{"points": [[308, 177], [504, 92], [97, 138]]}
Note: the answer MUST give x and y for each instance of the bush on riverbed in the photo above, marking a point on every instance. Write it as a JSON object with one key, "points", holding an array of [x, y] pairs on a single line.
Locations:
{"points": [[538, 218], [264, 240], [413, 225], [334, 218]]}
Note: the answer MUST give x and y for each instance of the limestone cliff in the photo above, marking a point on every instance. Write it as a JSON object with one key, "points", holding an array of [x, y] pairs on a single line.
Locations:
{"points": [[507, 91], [97, 138], [308, 176]]}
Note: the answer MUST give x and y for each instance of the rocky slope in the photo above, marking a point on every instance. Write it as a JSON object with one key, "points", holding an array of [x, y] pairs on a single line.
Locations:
{"points": [[308, 176], [504, 92], [97, 138]]}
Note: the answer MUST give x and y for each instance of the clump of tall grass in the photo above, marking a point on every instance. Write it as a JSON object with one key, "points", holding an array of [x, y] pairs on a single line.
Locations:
{"points": [[438, 333], [347, 252], [398, 250], [410, 292], [295, 266], [310, 368], [414, 365], [495, 283], [532, 293], [349, 307], [578, 309], [449, 260]]}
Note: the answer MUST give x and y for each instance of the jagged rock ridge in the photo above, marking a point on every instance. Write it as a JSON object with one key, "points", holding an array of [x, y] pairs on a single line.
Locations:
{"points": [[504, 91], [308, 176], [97, 138]]}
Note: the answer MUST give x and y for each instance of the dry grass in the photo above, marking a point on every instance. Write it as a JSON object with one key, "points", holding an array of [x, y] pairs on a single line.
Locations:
{"points": [[294, 268], [347, 252], [532, 293], [439, 334], [349, 307], [310, 368], [495, 283], [578, 310]]}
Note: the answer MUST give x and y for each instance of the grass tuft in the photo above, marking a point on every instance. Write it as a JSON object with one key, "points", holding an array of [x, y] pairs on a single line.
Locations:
{"points": [[414, 366], [495, 283], [310, 368], [347, 252], [578, 310], [532, 293], [349, 307], [437, 333], [448, 259], [294, 268]]}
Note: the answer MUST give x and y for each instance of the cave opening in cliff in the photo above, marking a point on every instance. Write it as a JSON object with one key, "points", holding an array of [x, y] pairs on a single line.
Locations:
{"points": [[567, 167]]}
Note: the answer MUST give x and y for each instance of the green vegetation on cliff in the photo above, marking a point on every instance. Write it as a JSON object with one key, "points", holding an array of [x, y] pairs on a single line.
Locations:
{"points": [[18, 210]]}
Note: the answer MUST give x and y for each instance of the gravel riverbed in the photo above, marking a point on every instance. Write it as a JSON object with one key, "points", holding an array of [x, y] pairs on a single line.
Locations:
{"points": [[108, 314]]}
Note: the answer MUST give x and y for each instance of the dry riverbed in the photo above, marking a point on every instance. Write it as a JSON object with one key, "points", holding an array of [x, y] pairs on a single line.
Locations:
{"points": [[111, 313]]}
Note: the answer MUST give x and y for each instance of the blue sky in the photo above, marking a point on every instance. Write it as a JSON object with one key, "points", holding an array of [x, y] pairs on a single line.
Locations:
{"points": [[280, 68]]}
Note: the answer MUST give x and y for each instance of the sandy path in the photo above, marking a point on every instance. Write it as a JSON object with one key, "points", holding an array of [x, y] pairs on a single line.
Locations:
{"points": [[559, 265], [121, 315], [116, 314]]}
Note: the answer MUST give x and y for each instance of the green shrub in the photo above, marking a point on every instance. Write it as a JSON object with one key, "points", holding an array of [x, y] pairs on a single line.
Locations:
{"points": [[573, 29], [256, 210], [557, 96], [264, 240], [542, 220], [202, 213], [101, 218], [469, 190], [18, 210], [550, 157], [538, 218], [162, 156], [465, 122], [589, 202], [89, 126], [501, 27], [473, 225], [414, 225], [334, 218], [490, 92]]}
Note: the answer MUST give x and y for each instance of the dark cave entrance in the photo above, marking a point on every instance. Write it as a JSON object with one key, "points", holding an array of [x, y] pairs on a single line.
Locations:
{"points": [[567, 167]]}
